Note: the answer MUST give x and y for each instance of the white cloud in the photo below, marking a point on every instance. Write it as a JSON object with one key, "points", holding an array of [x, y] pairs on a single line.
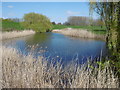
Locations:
{"points": [[10, 6], [71, 13], [4, 17]]}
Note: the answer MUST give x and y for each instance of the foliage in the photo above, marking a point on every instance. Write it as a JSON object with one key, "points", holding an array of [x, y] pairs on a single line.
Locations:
{"points": [[53, 23], [110, 14], [113, 64], [102, 65], [66, 23], [9, 25], [78, 20], [37, 22], [84, 21]]}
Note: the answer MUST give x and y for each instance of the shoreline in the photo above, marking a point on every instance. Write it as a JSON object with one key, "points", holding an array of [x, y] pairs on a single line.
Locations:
{"points": [[15, 34], [79, 33]]}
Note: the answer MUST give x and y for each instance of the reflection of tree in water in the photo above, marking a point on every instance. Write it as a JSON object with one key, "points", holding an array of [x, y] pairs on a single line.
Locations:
{"points": [[38, 38], [36, 43]]}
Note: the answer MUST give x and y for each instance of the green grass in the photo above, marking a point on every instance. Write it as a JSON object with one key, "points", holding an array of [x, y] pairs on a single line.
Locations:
{"points": [[94, 29], [10, 26]]}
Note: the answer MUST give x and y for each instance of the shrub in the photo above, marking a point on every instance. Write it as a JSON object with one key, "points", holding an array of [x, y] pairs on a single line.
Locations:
{"points": [[37, 22]]}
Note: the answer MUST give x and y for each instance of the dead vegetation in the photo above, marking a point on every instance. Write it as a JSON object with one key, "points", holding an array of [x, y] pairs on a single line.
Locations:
{"points": [[79, 33], [27, 72], [14, 34]]}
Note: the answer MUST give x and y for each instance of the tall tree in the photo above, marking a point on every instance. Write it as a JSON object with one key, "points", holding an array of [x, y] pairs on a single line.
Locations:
{"points": [[78, 20], [110, 14]]}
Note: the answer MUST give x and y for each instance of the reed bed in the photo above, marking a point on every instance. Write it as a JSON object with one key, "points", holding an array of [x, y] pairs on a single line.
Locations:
{"points": [[79, 33], [14, 34], [0, 67], [27, 72]]}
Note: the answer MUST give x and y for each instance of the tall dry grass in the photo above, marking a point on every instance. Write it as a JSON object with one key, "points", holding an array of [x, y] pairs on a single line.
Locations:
{"points": [[27, 72], [0, 67], [79, 33], [14, 34]]}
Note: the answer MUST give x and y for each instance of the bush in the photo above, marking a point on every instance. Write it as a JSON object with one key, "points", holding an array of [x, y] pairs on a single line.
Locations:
{"points": [[37, 22]]}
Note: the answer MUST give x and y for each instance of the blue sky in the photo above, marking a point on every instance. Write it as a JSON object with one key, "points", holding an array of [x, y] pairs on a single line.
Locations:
{"points": [[55, 11]]}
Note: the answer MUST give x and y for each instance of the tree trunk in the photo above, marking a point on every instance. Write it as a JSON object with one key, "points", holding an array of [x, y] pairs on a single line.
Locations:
{"points": [[113, 38]]}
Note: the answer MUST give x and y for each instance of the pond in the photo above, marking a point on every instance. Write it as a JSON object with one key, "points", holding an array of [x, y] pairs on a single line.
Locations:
{"points": [[58, 47]]}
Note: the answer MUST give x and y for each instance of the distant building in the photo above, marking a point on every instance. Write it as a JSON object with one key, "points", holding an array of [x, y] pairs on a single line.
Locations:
{"points": [[59, 24]]}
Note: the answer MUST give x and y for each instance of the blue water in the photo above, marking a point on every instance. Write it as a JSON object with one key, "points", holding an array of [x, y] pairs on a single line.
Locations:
{"points": [[58, 47]]}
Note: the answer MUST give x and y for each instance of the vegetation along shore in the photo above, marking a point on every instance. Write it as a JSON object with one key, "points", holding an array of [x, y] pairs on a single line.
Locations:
{"points": [[14, 34], [82, 33], [27, 72]]}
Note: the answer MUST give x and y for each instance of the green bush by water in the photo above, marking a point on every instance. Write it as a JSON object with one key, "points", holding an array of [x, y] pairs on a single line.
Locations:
{"points": [[37, 22]]}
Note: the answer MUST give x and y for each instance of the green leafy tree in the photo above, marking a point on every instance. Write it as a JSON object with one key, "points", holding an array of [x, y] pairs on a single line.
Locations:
{"points": [[110, 14], [37, 22]]}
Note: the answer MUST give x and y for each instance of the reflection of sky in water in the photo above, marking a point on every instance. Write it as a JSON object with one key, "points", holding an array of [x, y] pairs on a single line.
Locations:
{"points": [[58, 46]]}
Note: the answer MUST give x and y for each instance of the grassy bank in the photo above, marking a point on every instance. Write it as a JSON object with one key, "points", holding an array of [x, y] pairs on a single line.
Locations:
{"points": [[95, 29], [11, 26], [28, 72], [14, 34]]}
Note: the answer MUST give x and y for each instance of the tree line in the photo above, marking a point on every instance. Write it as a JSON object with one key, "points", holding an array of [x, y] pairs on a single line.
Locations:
{"points": [[41, 23], [83, 21]]}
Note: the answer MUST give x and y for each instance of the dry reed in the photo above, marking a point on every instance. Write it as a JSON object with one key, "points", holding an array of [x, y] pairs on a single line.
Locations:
{"points": [[79, 33], [14, 34], [27, 72]]}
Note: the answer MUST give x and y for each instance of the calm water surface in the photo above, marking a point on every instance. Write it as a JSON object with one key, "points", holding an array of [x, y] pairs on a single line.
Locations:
{"points": [[58, 46]]}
